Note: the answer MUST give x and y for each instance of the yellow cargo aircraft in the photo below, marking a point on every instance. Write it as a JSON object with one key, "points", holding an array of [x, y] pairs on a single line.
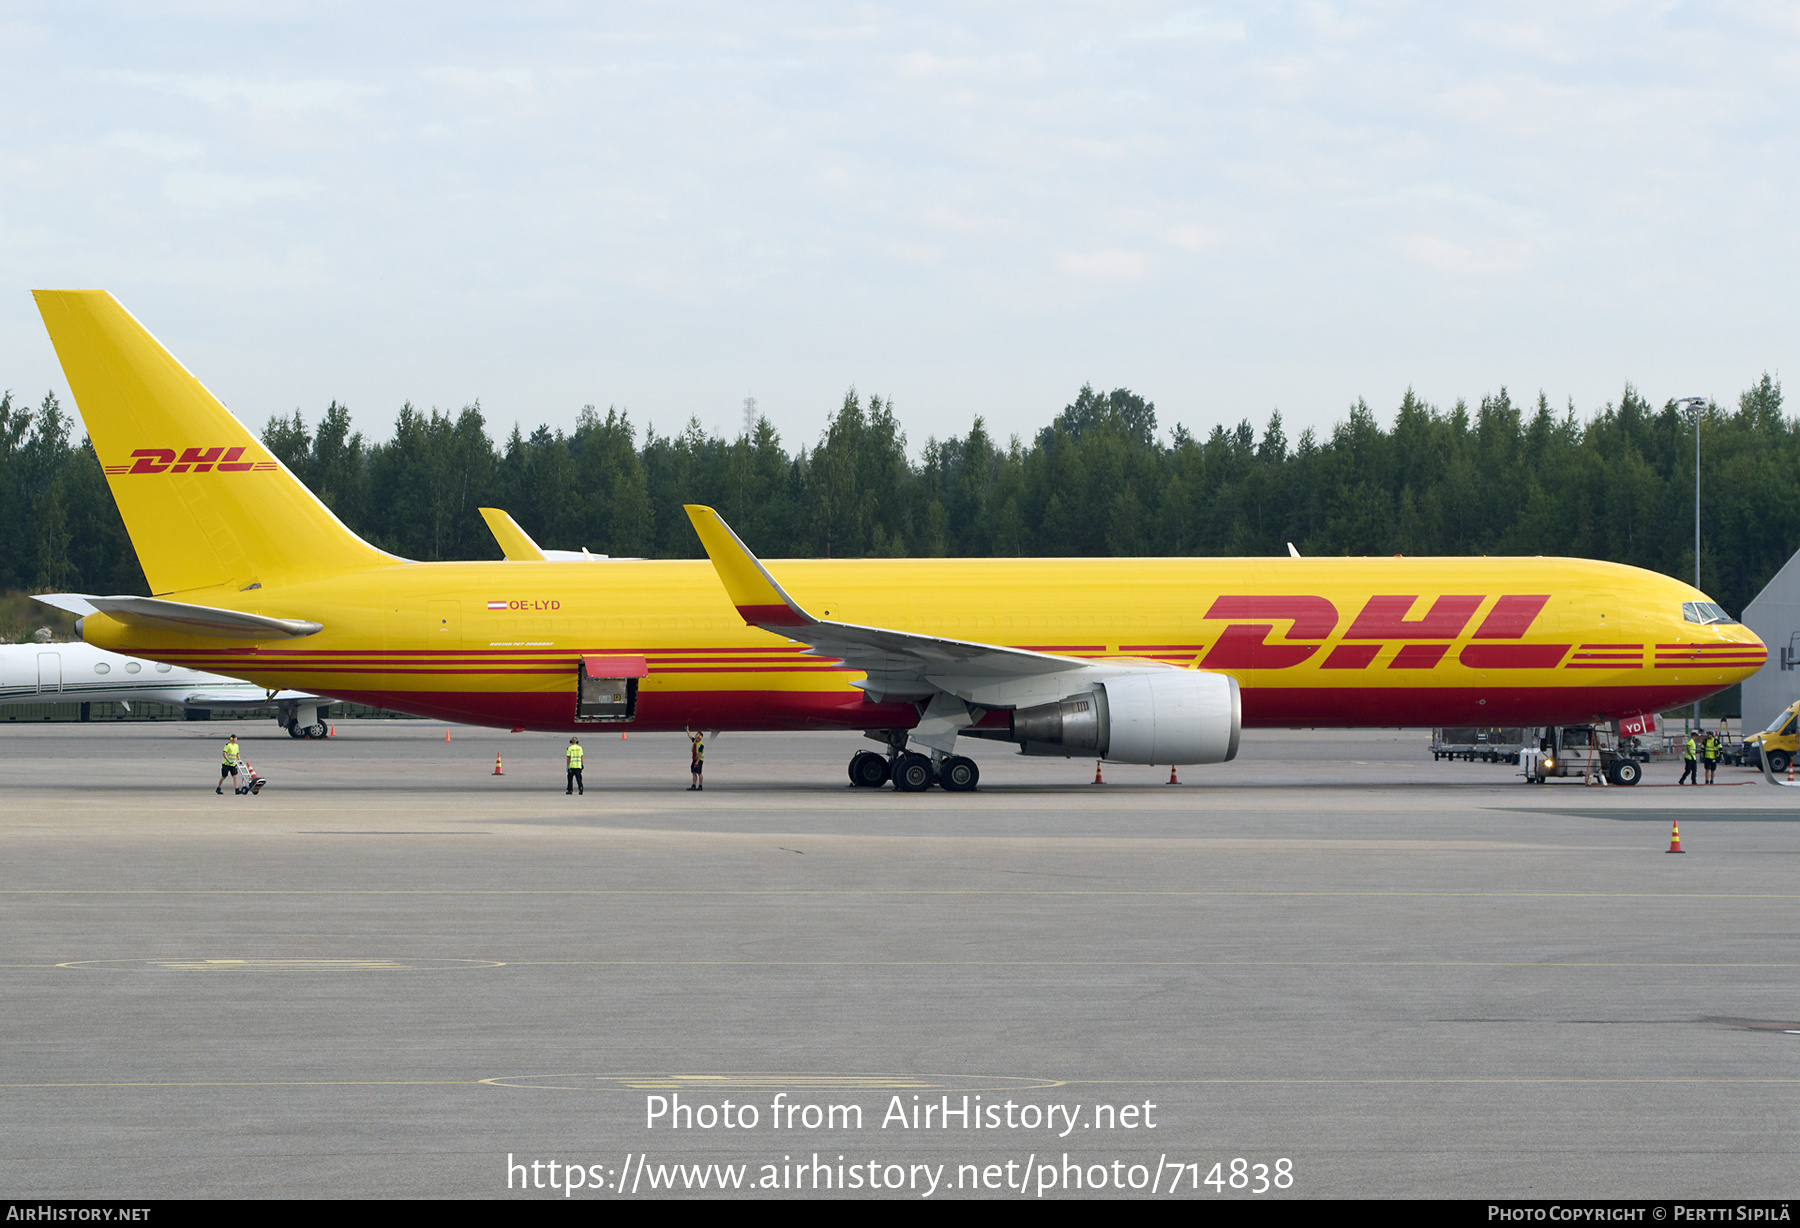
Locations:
{"points": [[1158, 661]]}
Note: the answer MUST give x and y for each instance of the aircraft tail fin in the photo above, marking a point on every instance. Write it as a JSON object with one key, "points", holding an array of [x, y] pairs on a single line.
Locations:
{"points": [[205, 503], [515, 543]]}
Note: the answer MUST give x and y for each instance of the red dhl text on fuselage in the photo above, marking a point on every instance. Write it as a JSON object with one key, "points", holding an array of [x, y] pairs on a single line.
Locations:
{"points": [[1342, 642]]}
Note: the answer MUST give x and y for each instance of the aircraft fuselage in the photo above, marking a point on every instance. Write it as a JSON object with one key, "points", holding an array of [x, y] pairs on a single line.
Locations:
{"points": [[1311, 642]]}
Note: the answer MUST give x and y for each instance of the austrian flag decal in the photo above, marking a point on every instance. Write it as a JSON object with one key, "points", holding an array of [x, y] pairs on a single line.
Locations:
{"points": [[496, 605]]}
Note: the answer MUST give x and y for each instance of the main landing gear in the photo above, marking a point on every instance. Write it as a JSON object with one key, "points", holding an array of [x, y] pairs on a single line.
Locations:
{"points": [[912, 772], [288, 716]]}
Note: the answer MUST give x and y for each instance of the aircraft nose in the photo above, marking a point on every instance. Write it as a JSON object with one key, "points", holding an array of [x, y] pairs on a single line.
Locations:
{"points": [[1748, 651]]}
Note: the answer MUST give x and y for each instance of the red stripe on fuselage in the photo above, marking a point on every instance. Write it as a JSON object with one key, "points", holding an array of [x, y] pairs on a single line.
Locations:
{"points": [[1263, 707], [1363, 707], [657, 711]]}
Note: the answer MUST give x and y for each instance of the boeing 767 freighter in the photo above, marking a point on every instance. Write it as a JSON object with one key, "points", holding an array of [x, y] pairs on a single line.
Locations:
{"points": [[1159, 661]]}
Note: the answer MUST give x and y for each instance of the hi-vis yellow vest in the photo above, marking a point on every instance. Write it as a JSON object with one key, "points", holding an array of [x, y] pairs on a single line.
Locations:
{"points": [[231, 754], [575, 757]]}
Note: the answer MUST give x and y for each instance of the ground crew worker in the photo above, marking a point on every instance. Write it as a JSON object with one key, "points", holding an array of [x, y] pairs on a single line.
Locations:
{"points": [[1690, 753], [696, 761], [574, 755], [1711, 753], [228, 765]]}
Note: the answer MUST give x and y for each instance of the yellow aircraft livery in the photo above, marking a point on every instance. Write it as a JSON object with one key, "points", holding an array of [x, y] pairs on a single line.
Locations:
{"points": [[1136, 660]]}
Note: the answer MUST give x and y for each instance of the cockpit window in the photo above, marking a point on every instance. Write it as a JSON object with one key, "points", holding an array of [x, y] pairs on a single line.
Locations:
{"points": [[1706, 613]]}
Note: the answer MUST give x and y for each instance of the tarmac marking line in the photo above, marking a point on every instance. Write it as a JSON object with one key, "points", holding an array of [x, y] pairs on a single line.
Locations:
{"points": [[147, 965], [276, 1083], [972, 891], [499, 1081]]}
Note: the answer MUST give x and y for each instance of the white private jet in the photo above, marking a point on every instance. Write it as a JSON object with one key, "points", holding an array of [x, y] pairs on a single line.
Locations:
{"points": [[81, 673]]}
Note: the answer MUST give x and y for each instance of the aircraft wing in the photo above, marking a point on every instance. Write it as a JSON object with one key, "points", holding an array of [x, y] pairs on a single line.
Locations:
{"points": [[250, 697], [180, 616], [899, 664]]}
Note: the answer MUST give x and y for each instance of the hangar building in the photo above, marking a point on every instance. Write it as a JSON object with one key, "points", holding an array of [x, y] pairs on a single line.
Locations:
{"points": [[1775, 616]]}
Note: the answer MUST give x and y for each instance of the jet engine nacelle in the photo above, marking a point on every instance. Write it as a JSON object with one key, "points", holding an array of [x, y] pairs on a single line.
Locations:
{"points": [[1172, 717]]}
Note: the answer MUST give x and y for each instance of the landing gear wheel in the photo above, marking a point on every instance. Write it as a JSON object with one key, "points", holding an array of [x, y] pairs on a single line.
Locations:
{"points": [[1627, 772], [959, 774], [294, 730], [868, 770], [913, 774], [317, 731]]}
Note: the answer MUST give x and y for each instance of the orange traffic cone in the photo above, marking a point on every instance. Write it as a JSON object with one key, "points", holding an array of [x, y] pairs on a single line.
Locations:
{"points": [[446, 735], [1097, 779], [497, 770], [333, 731], [1790, 771], [623, 736], [1675, 837], [1172, 779]]}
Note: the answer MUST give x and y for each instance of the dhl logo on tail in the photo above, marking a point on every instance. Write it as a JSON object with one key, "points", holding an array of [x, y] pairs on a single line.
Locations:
{"points": [[197, 460]]}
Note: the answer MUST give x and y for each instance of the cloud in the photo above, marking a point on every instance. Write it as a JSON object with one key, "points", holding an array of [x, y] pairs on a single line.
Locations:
{"points": [[1495, 257], [155, 145], [258, 91], [1193, 23], [217, 190], [1108, 264], [1194, 238]]}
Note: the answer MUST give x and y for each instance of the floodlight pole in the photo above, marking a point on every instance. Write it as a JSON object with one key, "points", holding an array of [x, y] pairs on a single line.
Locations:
{"points": [[1696, 404]]}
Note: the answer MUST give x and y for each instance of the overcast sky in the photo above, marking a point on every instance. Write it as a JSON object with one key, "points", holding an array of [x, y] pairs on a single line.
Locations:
{"points": [[972, 209]]}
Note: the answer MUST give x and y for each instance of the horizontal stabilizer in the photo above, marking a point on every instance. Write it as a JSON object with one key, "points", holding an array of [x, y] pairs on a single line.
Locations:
{"points": [[74, 603], [180, 616]]}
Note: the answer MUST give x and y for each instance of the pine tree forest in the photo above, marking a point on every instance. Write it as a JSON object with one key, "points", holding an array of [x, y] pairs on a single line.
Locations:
{"points": [[1496, 478]]}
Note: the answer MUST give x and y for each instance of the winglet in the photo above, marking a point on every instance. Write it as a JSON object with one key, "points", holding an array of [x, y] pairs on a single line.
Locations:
{"points": [[761, 601], [515, 543]]}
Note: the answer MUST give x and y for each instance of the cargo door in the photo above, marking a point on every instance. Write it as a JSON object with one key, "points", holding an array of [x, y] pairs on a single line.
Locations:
{"points": [[49, 671], [606, 688]]}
